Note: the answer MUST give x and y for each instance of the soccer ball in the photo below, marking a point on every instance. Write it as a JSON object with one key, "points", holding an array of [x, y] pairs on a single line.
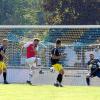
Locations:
{"points": [[52, 69]]}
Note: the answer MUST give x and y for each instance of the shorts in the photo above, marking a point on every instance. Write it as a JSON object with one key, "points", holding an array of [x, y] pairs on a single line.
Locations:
{"points": [[96, 73], [2, 65], [33, 61], [57, 67]]}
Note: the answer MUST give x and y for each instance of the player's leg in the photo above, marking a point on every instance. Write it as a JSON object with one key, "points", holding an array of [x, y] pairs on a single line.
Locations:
{"points": [[5, 76], [88, 79], [39, 65], [60, 77], [59, 68], [29, 76], [31, 62], [97, 73], [4, 72], [93, 73], [31, 73], [28, 65], [1, 68]]}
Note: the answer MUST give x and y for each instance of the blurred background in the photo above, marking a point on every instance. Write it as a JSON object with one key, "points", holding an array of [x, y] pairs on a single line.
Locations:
{"points": [[49, 12]]}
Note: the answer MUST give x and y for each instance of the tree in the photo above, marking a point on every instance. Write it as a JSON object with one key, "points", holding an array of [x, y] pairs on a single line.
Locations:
{"points": [[68, 12], [19, 11]]}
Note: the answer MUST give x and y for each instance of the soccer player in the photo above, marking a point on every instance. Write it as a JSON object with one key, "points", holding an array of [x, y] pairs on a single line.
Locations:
{"points": [[56, 55], [3, 58], [94, 65], [31, 57]]}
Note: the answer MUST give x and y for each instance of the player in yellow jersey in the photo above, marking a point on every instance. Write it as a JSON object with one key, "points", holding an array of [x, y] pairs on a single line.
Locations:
{"points": [[3, 67], [56, 55]]}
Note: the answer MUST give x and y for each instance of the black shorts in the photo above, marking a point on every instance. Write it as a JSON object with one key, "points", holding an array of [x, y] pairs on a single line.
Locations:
{"points": [[95, 72]]}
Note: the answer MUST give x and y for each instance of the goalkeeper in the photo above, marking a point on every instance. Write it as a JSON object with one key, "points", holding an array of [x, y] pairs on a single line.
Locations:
{"points": [[94, 66]]}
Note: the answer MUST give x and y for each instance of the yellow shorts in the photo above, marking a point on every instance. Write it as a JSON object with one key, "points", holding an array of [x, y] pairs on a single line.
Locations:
{"points": [[2, 65], [57, 67]]}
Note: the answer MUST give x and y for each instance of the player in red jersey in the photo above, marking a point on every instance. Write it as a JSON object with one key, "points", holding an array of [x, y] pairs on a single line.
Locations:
{"points": [[31, 57]]}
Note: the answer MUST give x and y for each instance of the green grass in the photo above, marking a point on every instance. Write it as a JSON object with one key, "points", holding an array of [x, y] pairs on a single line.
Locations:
{"points": [[26, 92]]}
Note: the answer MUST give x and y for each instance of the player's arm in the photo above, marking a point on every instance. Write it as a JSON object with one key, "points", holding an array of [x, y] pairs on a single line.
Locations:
{"points": [[36, 52], [3, 54], [22, 49], [24, 46], [98, 62], [89, 65]]}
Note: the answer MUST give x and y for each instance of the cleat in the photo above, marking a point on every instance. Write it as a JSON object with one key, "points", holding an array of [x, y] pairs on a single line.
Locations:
{"points": [[61, 85], [88, 81], [29, 82], [5, 82], [41, 72], [56, 84]]}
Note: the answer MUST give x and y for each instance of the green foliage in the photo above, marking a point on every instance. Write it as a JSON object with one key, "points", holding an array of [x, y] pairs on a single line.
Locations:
{"points": [[68, 12], [19, 11], [63, 12]]}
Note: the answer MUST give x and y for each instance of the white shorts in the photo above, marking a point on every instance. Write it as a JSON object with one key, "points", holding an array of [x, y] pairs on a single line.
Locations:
{"points": [[33, 61]]}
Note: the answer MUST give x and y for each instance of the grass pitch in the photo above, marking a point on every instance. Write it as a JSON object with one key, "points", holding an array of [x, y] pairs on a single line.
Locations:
{"points": [[47, 92]]}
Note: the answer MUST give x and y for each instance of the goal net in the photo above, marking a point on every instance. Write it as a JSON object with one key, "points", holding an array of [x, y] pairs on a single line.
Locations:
{"points": [[77, 43]]}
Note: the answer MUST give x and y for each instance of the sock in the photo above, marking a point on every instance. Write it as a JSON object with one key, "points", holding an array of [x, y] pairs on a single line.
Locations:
{"points": [[59, 78], [88, 81], [30, 76], [4, 75]]}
